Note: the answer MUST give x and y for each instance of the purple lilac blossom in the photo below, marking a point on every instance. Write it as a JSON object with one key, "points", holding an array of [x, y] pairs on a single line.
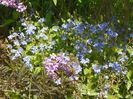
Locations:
{"points": [[54, 63], [19, 6]]}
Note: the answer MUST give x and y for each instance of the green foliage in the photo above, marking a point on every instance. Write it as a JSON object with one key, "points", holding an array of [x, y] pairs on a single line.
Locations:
{"points": [[55, 2]]}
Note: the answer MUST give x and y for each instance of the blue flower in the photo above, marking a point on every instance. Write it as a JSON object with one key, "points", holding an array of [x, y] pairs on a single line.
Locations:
{"points": [[41, 46], [20, 50], [76, 67], [102, 26], [93, 29], [29, 65], [34, 49], [131, 35], [16, 42], [111, 33], [96, 68], [98, 45], [85, 61], [115, 66], [30, 29], [63, 37], [21, 35], [10, 37], [9, 46], [58, 81], [24, 43], [80, 27], [105, 66], [106, 87], [45, 37], [89, 41], [76, 46], [41, 20], [65, 26], [16, 53], [26, 59], [123, 58], [24, 24]]}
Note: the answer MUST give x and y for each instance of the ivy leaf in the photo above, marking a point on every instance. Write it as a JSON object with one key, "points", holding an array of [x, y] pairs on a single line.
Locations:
{"points": [[55, 2]]}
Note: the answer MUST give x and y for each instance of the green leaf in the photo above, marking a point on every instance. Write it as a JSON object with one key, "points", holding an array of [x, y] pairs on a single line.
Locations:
{"points": [[15, 15], [92, 93], [7, 22], [79, 1], [129, 83], [55, 2], [129, 74], [37, 70], [86, 71]]}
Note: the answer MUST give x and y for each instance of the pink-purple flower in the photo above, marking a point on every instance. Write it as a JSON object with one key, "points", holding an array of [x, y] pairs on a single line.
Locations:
{"points": [[59, 64], [19, 6]]}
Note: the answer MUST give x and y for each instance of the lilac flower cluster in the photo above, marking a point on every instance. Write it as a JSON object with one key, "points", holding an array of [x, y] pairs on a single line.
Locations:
{"points": [[55, 65], [19, 6]]}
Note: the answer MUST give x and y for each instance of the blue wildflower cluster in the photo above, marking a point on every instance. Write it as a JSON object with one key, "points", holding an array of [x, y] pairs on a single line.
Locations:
{"points": [[31, 39]]}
